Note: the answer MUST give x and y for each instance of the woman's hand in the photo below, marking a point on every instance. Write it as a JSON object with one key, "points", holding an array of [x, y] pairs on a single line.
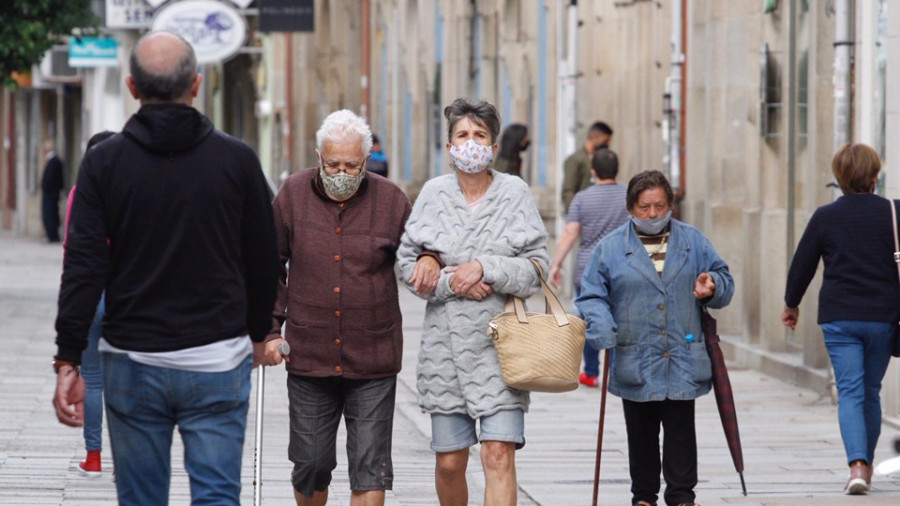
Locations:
{"points": [[479, 291], [465, 276], [789, 317], [425, 275], [704, 286]]}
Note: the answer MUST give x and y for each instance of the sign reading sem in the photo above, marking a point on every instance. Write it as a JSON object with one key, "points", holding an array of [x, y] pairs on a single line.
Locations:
{"points": [[215, 30]]}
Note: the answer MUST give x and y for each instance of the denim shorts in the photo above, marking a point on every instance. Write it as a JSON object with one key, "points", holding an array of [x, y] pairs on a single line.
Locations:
{"points": [[316, 406], [456, 431]]}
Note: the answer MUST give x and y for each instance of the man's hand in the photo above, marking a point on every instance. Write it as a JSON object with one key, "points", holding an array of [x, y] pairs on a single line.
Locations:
{"points": [[704, 286], [425, 275], [465, 276], [555, 277], [789, 317], [479, 291], [269, 353], [68, 400]]}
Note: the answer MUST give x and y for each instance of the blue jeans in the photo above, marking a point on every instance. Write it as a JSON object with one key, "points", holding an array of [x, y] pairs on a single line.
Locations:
{"points": [[143, 406], [590, 354], [860, 353], [456, 431], [92, 372]]}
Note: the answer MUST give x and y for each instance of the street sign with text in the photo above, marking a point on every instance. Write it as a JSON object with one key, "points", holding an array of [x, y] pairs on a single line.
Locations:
{"points": [[286, 15]]}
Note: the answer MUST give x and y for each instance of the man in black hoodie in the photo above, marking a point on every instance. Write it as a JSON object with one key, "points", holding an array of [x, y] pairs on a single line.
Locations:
{"points": [[172, 219]]}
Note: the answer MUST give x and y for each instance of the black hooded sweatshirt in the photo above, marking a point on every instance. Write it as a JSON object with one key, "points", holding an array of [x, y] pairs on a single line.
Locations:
{"points": [[172, 218]]}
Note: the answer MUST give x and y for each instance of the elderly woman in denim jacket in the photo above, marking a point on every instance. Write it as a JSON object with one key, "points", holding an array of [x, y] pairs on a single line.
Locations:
{"points": [[642, 293]]}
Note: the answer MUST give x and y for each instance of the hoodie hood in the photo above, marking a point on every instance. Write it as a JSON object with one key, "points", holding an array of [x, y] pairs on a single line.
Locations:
{"points": [[168, 128]]}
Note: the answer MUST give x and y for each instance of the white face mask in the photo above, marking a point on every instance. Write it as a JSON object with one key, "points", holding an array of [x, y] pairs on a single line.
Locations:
{"points": [[471, 157]]}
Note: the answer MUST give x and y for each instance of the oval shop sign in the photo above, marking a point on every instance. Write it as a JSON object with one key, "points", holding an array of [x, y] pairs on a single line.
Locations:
{"points": [[215, 30]]}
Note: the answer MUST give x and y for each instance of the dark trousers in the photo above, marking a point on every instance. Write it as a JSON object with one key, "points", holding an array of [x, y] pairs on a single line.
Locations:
{"points": [[679, 458], [50, 214]]}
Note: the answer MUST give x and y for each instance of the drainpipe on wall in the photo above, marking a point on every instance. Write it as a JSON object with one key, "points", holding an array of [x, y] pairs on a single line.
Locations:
{"points": [[843, 45], [287, 122], [366, 70], [566, 108], [672, 98]]}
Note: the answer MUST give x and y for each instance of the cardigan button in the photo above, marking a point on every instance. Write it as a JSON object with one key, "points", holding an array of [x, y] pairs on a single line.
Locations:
{"points": [[337, 258], [337, 342], [337, 368], [337, 230], [337, 289], [337, 314]]}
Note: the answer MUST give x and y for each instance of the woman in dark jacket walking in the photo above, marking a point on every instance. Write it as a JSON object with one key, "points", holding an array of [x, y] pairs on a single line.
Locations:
{"points": [[859, 303]]}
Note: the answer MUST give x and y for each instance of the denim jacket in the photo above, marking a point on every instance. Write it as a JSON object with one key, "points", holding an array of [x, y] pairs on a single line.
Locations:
{"points": [[646, 317]]}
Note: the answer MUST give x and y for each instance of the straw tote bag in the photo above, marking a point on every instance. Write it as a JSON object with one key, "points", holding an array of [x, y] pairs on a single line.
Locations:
{"points": [[538, 352]]}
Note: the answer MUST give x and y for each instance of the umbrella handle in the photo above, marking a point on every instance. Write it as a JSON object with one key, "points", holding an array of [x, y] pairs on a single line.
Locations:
{"points": [[603, 390]]}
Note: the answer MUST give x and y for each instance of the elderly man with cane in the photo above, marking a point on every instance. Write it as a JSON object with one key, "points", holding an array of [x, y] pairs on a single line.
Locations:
{"points": [[338, 232]]}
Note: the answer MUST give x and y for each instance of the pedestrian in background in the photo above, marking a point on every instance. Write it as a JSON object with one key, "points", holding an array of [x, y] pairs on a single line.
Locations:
{"points": [[513, 141], [577, 167], [378, 162], [338, 231], [485, 229], [595, 212], [642, 293], [172, 219], [52, 183], [859, 302], [91, 368]]}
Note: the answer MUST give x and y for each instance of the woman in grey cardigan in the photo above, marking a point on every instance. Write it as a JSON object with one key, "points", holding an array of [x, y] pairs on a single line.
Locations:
{"points": [[468, 244]]}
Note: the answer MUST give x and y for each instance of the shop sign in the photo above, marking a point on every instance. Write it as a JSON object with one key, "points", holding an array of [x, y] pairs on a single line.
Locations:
{"points": [[215, 30], [93, 52], [129, 13], [286, 15]]}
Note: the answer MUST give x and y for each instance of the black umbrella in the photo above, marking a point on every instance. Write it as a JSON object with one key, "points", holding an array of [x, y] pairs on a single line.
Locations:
{"points": [[724, 393]]}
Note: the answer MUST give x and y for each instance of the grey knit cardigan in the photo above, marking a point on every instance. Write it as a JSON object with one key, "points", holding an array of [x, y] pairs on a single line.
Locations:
{"points": [[458, 369]]}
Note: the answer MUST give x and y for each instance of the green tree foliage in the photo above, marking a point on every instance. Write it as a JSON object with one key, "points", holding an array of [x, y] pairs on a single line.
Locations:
{"points": [[28, 28]]}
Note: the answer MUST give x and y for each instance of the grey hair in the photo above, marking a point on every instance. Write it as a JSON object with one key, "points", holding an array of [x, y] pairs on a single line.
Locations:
{"points": [[482, 114], [344, 126], [166, 86]]}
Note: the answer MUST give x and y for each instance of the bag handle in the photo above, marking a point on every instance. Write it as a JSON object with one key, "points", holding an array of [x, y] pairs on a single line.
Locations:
{"points": [[554, 307]]}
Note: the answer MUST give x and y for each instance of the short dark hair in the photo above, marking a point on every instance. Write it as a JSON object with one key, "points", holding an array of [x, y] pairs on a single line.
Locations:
{"points": [[600, 127], [605, 164], [511, 141], [647, 180], [482, 114], [375, 139], [99, 137], [855, 166], [164, 87]]}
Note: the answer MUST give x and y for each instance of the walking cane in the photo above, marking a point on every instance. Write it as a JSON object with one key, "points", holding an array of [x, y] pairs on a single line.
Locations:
{"points": [[285, 350], [600, 426]]}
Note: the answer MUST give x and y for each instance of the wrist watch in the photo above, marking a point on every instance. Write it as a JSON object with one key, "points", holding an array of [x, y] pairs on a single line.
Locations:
{"points": [[57, 363]]}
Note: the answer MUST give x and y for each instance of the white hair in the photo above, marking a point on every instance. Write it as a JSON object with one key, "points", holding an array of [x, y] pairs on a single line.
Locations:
{"points": [[344, 126]]}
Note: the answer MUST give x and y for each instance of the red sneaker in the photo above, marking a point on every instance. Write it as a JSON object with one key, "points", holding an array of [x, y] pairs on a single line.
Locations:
{"points": [[586, 380], [90, 467]]}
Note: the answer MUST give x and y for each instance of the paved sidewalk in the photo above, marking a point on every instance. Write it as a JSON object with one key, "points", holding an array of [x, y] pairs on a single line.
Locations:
{"points": [[792, 447]]}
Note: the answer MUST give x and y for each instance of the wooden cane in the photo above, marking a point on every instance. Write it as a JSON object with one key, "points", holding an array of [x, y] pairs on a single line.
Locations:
{"points": [[605, 383]]}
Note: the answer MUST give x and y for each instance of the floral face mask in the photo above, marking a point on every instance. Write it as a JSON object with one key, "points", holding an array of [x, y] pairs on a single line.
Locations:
{"points": [[471, 157]]}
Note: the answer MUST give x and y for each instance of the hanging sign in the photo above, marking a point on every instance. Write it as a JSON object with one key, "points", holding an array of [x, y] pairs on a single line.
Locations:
{"points": [[93, 52], [286, 15], [129, 13], [215, 30]]}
